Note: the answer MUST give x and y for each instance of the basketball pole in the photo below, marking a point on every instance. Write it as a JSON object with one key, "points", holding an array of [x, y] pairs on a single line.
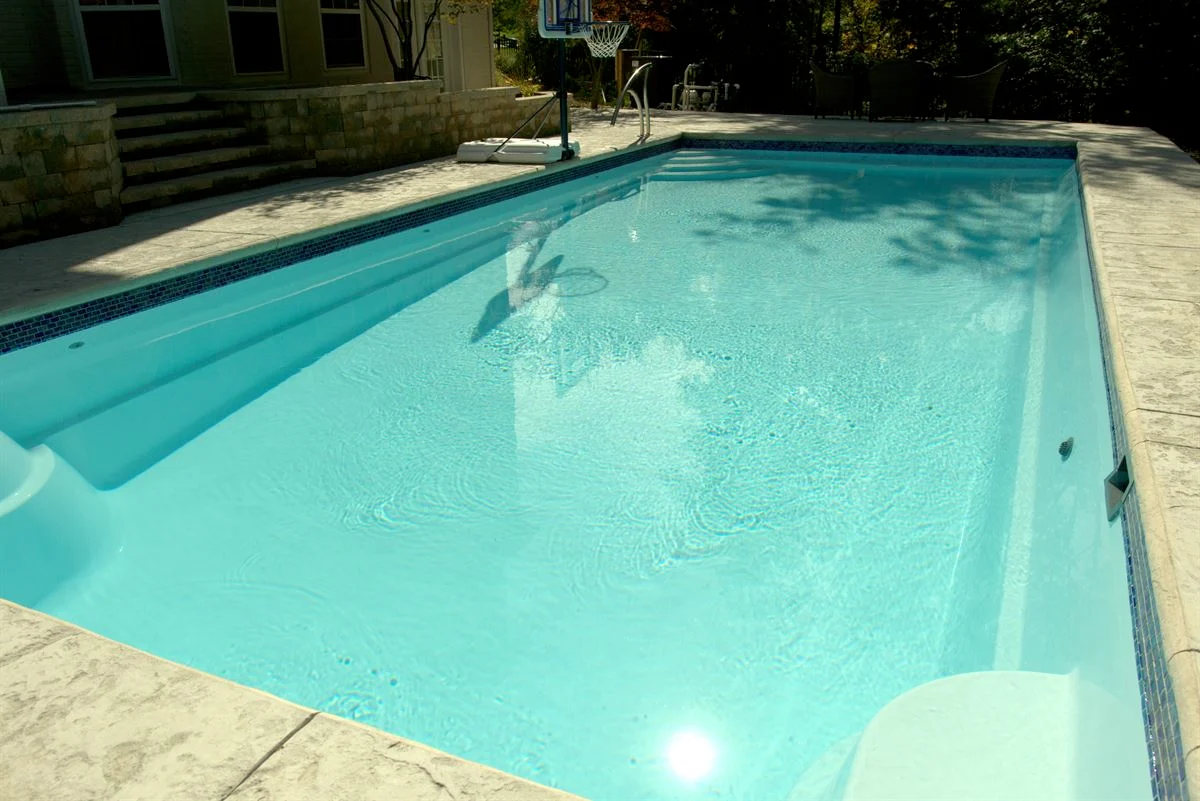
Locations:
{"points": [[567, 152]]}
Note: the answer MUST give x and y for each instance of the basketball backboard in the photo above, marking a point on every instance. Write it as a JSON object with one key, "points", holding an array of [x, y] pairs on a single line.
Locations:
{"points": [[564, 19]]}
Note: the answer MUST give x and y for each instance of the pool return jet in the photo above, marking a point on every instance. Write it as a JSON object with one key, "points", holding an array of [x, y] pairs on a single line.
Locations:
{"points": [[561, 20]]}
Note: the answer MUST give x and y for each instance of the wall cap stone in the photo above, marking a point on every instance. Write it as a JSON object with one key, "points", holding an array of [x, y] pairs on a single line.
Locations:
{"points": [[345, 90], [54, 113]]}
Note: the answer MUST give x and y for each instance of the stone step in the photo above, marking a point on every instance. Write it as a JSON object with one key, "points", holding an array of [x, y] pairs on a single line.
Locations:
{"points": [[165, 119], [180, 140], [125, 102], [151, 169], [173, 190]]}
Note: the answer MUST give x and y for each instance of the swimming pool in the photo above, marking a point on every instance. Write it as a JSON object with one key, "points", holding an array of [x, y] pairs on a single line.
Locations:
{"points": [[687, 478]]}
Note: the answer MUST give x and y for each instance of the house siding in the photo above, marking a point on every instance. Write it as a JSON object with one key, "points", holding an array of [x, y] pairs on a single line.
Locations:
{"points": [[30, 45], [477, 58], [203, 53], [40, 48]]}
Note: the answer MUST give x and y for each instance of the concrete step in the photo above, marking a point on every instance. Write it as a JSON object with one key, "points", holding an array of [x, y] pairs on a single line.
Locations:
{"points": [[173, 190], [158, 167], [180, 141], [124, 102], [166, 119]]}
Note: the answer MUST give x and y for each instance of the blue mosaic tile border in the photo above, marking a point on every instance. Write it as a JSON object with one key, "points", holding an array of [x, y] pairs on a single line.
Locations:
{"points": [[889, 148], [60, 322], [1164, 743], [32, 330]]}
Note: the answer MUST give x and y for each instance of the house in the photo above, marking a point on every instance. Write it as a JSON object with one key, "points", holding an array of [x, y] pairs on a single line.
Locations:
{"points": [[52, 48], [119, 105]]}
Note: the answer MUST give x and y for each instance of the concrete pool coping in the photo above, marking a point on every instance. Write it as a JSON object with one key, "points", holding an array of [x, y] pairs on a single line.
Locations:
{"points": [[86, 717]]}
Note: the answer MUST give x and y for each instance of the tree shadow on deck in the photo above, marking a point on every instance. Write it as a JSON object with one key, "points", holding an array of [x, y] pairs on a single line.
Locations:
{"points": [[43, 274]]}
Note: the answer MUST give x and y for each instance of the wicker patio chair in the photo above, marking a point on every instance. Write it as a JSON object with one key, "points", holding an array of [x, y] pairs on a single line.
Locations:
{"points": [[835, 94], [973, 93], [900, 89]]}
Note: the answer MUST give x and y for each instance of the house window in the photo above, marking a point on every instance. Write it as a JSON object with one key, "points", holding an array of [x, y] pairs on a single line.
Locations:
{"points": [[254, 32], [434, 59], [125, 38], [342, 33]]}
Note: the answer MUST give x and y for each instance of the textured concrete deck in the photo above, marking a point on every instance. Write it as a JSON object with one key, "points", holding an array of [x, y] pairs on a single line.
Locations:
{"points": [[82, 717]]}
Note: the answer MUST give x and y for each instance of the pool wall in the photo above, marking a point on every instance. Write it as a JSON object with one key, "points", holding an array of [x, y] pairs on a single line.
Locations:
{"points": [[1162, 721], [1076, 603], [1032, 565], [1165, 739], [118, 397], [1049, 668]]}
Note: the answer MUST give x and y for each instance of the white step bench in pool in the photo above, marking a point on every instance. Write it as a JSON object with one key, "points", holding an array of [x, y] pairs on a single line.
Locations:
{"points": [[998, 736]]}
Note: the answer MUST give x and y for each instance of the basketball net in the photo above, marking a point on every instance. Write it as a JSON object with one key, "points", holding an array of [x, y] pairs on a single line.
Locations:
{"points": [[605, 37]]}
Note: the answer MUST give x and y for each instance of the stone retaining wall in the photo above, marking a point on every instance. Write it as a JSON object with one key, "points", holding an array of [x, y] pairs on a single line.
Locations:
{"points": [[359, 128], [60, 168], [59, 171]]}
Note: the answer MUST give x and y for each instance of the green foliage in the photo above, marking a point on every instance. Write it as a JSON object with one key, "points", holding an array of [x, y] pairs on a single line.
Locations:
{"points": [[526, 87], [1117, 61], [764, 45], [507, 15], [1063, 62], [537, 58]]}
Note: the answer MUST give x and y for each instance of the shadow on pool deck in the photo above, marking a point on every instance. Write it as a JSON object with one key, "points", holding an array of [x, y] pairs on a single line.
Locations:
{"points": [[154, 242]]}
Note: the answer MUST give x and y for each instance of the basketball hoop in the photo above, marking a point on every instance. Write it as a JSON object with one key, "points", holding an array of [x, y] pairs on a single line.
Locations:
{"points": [[605, 37]]}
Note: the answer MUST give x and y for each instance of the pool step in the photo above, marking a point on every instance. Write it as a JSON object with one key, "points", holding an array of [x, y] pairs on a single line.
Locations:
{"points": [[1001, 734], [711, 174], [712, 166], [188, 187], [209, 354], [52, 523]]}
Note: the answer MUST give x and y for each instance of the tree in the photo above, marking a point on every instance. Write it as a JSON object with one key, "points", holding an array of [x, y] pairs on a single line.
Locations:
{"points": [[507, 15], [642, 16], [400, 22], [764, 46]]}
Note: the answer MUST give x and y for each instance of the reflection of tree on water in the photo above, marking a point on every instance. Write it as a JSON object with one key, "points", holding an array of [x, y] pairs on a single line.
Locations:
{"points": [[526, 281]]}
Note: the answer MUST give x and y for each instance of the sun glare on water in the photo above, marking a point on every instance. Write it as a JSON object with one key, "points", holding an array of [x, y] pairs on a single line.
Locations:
{"points": [[691, 755]]}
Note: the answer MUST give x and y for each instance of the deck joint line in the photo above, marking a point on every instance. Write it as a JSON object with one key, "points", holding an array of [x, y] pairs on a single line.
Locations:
{"points": [[275, 749]]}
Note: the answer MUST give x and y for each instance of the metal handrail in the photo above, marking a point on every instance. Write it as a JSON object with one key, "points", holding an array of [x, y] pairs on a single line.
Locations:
{"points": [[642, 104]]}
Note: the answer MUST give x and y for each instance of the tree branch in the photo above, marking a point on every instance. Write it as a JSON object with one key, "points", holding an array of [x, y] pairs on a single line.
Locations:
{"points": [[380, 15], [435, 11]]}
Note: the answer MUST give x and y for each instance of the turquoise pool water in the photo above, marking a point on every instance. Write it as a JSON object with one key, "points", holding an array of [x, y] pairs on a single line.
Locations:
{"points": [[658, 485]]}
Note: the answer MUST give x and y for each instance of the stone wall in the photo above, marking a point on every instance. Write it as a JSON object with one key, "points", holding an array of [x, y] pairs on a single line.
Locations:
{"points": [[60, 168], [359, 128], [59, 171]]}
